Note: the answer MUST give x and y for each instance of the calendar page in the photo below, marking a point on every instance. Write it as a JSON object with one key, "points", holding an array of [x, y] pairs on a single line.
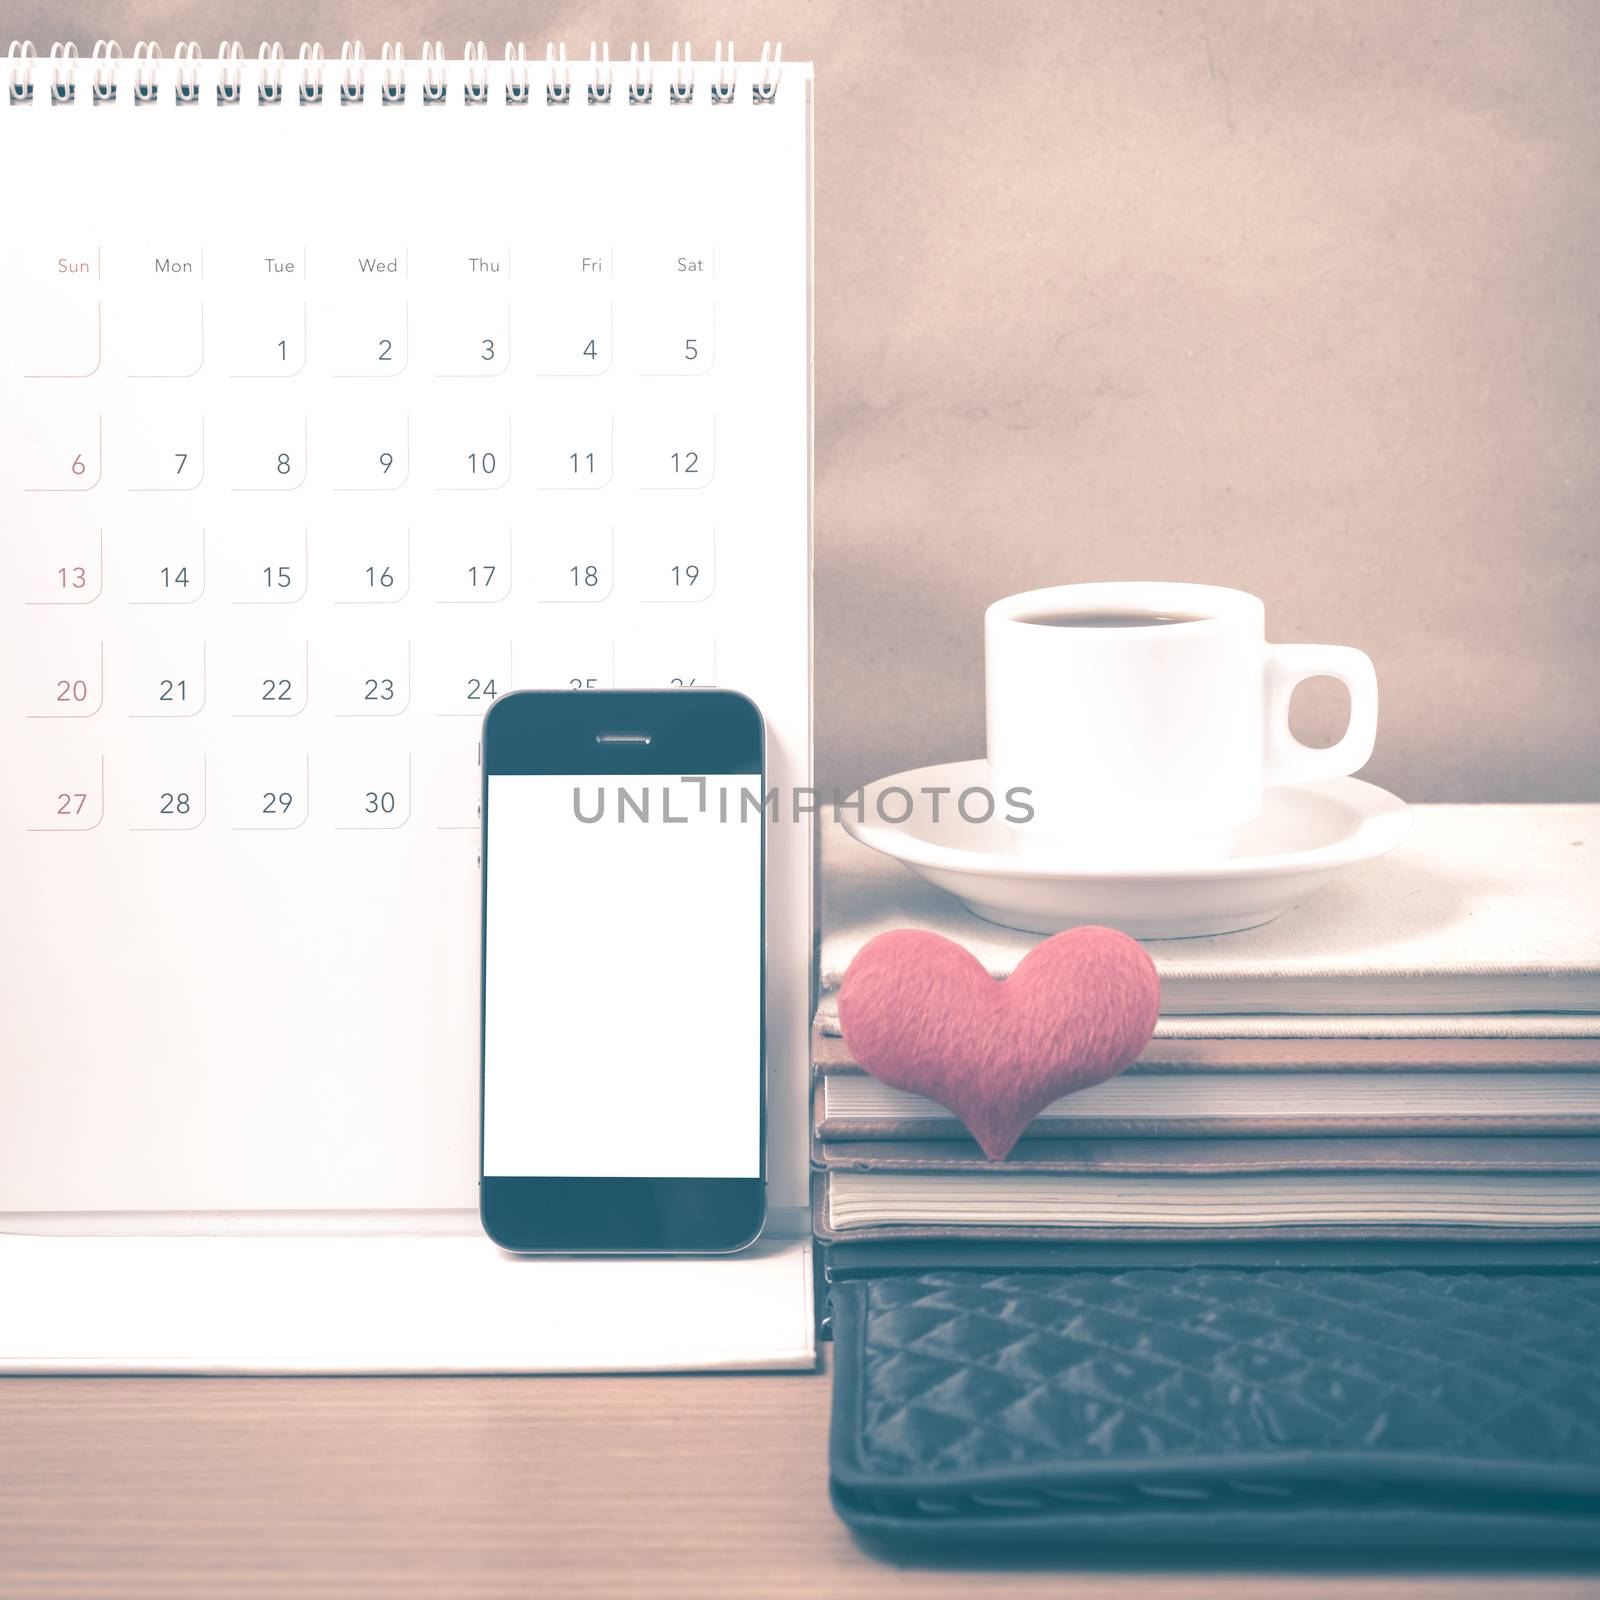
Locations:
{"points": [[336, 402]]}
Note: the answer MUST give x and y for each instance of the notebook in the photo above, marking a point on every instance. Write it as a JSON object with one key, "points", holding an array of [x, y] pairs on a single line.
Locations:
{"points": [[1481, 1042], [1124, 1186], [1484, 908], [338, 398], [1229, 1204], [1055, 1152], [853, 1106]]}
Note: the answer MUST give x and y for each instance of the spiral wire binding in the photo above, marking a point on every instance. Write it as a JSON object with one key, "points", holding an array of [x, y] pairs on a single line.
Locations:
{"points": [[352, 73], [230, 73], [599, 75], [146, 59], [434, 78], [63, 56], [20, 57], [269, 92], [311, 60], [727, 78], [518, 83], [766, 91], [475, 91], [641, 76], [186, 74], [680, 92], [103, 85], [557, 77], [393, 92], [107, 59]]}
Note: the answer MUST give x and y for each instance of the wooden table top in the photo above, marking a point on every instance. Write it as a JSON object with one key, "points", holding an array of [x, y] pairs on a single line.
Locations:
{"points": [[470, 1487]]}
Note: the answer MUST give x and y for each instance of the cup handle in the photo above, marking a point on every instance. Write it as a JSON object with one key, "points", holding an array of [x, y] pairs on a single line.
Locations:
{"points": [[1289, 761]]}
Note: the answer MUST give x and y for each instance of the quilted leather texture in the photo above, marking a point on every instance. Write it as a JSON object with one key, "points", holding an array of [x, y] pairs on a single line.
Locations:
{"points": [[1111, 1401]]}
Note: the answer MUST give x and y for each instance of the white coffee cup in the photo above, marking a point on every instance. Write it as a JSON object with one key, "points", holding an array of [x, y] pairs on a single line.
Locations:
{"points": [[1154, 738]]}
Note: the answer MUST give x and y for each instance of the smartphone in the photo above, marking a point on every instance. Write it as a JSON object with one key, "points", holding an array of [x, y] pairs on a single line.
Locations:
{"points": [[623, 1011]]}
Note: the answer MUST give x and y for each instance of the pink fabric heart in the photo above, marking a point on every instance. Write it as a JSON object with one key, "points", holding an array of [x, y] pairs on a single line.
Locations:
{"points": [[920, 1013]]}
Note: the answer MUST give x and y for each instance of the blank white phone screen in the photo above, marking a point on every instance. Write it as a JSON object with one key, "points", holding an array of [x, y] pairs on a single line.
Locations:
{"points": [[622, 973]]}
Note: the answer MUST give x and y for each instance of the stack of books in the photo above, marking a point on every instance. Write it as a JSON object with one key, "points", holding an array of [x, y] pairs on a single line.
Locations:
{"points": [[1406, 1066]]}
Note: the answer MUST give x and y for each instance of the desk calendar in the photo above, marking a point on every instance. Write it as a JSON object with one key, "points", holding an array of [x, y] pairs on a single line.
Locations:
{"points": [[339, 398]]}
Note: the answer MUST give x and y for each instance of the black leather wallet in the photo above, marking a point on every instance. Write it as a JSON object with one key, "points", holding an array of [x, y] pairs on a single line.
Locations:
{"points": [[1220, 1407]]}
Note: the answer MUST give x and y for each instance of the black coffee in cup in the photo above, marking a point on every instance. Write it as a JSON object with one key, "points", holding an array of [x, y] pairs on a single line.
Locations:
{"points": [[1112, 619]]}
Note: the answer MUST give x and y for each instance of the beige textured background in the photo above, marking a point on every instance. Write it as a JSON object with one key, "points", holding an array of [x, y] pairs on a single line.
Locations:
{"points": [[1299, 297]]}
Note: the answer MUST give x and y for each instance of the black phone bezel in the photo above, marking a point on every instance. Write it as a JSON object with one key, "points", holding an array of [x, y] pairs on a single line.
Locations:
{"points": [[555, 732]]}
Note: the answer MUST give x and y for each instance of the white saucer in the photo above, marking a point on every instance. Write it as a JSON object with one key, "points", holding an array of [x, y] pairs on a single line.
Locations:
{"points": [[1304, 834]]}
